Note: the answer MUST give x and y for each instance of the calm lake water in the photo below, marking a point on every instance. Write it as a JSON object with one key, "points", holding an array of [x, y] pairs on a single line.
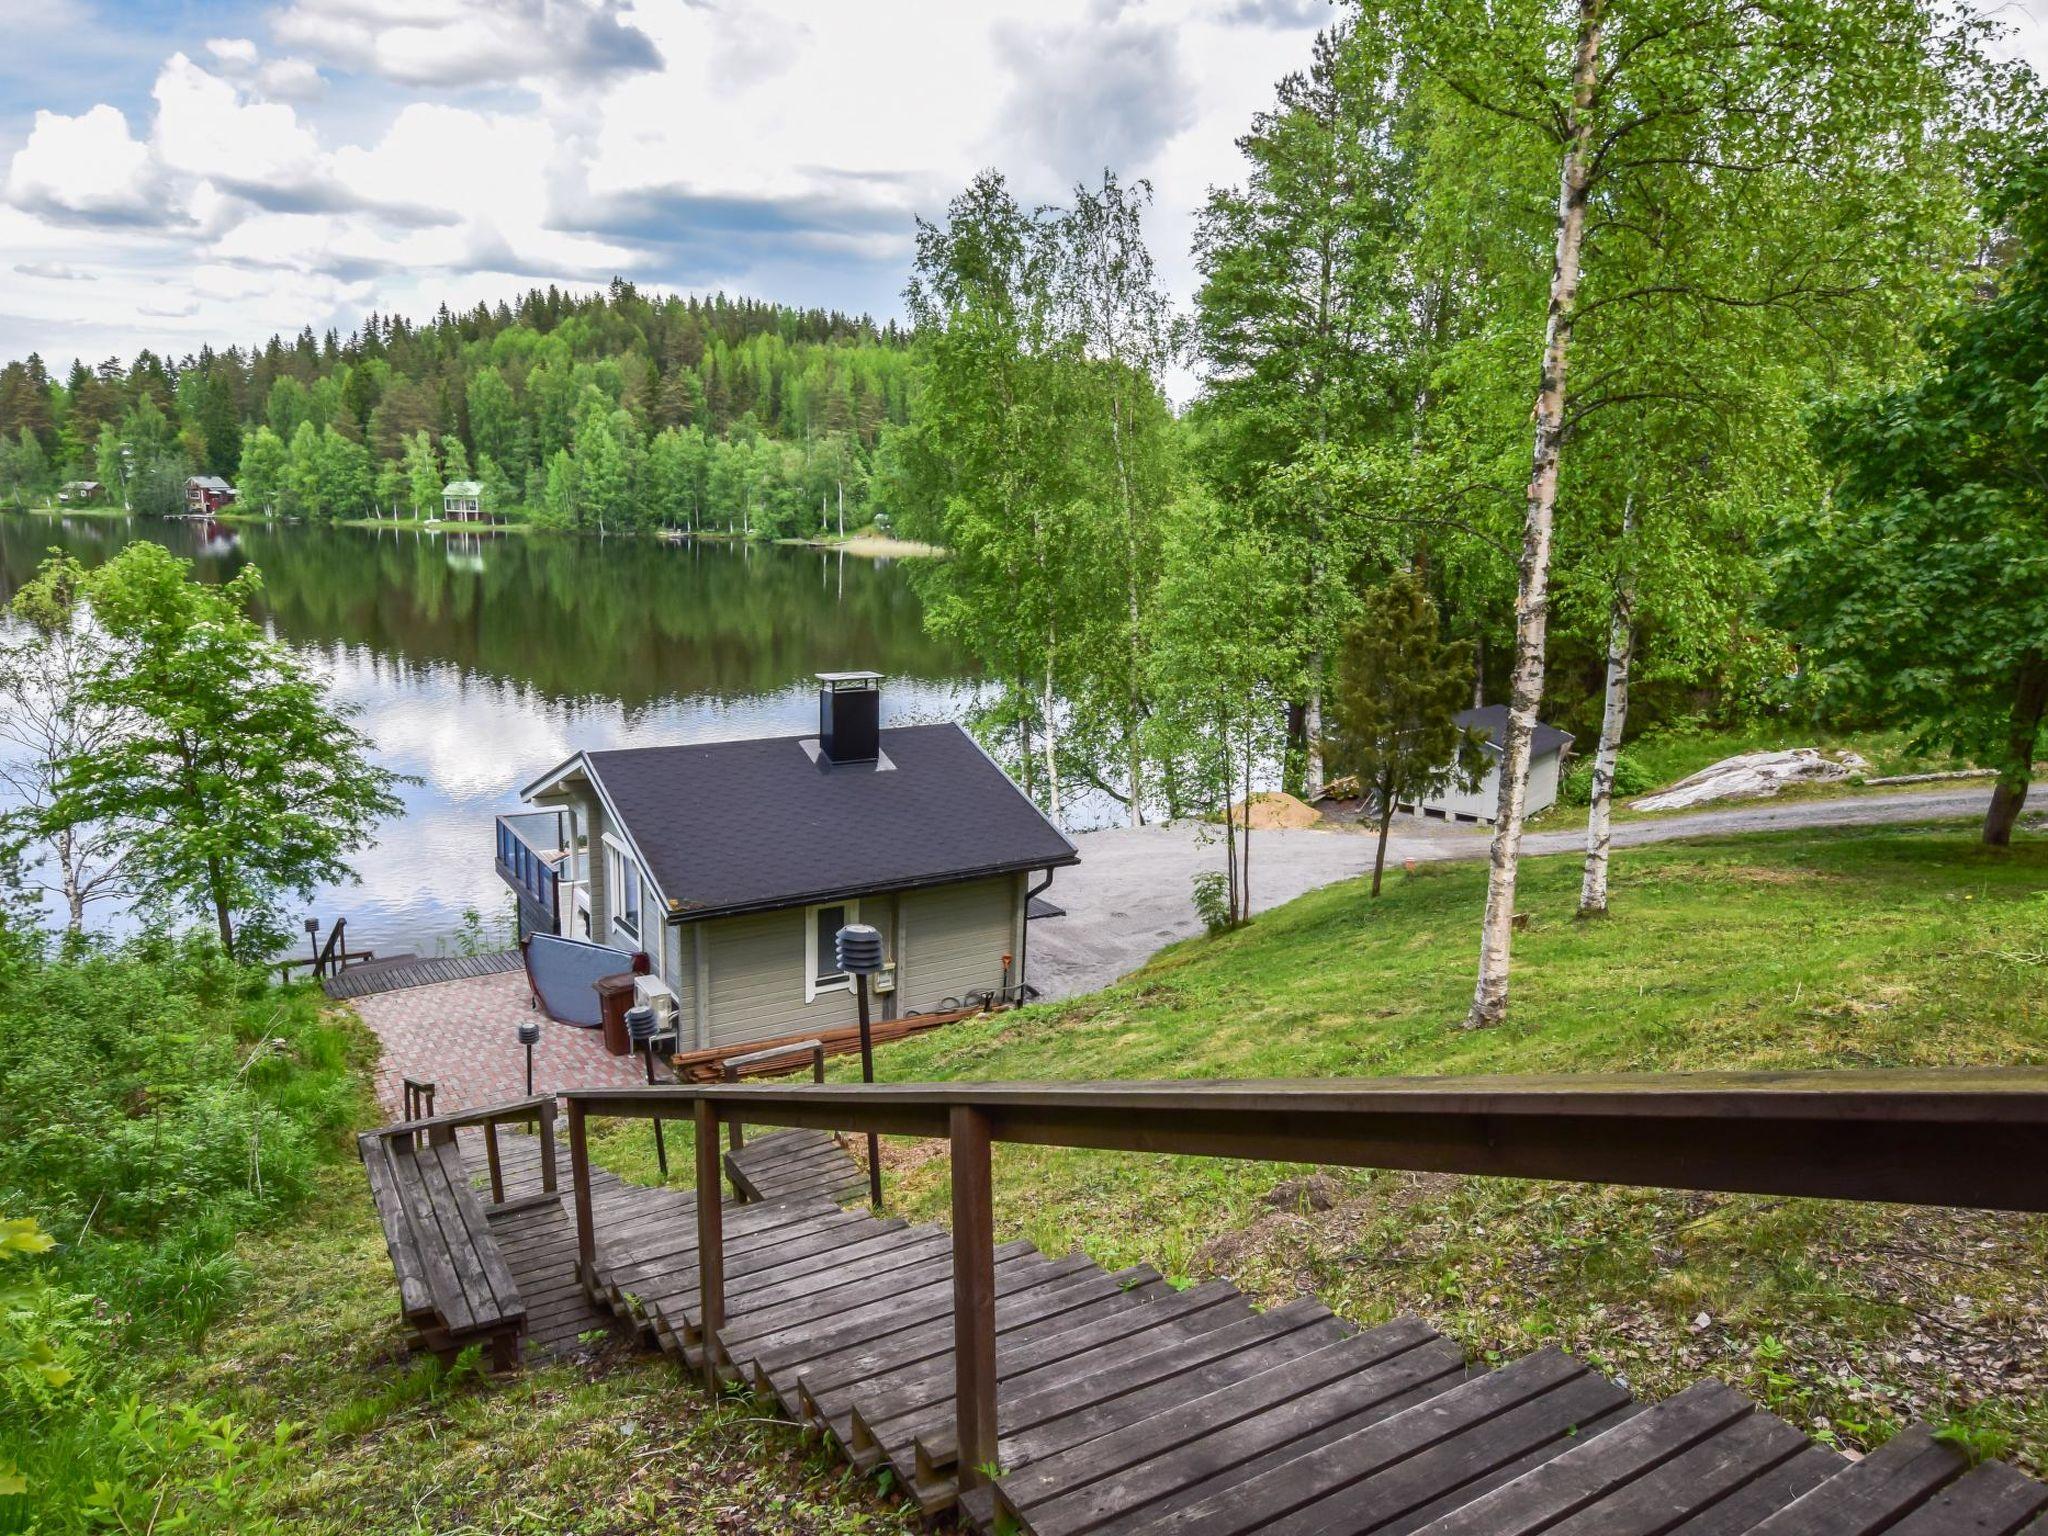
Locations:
{"points": [[479, 662]]}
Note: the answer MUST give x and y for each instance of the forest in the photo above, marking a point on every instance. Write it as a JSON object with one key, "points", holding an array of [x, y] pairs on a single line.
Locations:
{"points": [[609, 411]]}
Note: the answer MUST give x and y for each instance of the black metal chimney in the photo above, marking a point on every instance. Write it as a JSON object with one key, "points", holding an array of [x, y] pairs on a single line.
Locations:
{"points": [[850, 716]]}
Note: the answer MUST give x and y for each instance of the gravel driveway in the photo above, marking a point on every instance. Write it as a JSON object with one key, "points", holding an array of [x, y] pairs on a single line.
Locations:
{"points": [[1132, 891]]}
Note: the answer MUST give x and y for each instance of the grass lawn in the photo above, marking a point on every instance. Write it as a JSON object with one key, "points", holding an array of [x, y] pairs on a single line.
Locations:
{"points": [[386, 1442], [1878, 948]]}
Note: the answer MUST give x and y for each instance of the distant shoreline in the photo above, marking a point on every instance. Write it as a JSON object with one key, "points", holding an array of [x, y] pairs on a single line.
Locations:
{"points": [[870, 546], [875, 546]]}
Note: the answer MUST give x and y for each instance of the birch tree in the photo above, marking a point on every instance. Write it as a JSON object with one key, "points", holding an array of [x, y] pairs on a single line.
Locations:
{"points": [[1675, 131], [1110, 301], [1221, 664], [1621, 644], [48, 718], [987, 466]]}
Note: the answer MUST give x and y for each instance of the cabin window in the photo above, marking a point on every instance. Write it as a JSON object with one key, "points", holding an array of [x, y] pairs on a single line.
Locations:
{"points": [[624, 876], [821, 960]]}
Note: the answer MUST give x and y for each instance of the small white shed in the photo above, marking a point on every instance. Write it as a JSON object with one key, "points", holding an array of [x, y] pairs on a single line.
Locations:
{"points": [[1547, 751]]}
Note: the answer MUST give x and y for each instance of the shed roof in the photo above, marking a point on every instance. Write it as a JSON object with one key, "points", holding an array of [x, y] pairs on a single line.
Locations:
{"points": [[740, 826], [210, 483], [463, 488], [1492, 719]]}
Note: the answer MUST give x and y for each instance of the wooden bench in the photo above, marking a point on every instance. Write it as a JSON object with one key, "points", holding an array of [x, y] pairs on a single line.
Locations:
{"points": [[454, 1288]]}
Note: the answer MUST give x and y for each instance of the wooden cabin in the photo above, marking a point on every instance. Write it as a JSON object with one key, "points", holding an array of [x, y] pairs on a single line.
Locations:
{"points": [[733, 864]]}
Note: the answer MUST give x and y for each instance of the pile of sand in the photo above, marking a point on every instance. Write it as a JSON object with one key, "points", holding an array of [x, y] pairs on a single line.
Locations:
{"points": [[1271, 810]]}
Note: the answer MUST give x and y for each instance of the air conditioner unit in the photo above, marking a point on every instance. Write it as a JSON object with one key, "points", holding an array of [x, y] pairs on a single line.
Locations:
{"points": [[653, 992]]}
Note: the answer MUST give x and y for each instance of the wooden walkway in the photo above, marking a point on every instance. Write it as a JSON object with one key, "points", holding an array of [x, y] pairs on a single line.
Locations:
{"points": [[1127, 1406], [374, 976], [537, 1241], [785, 1165], [1123, 1405]]}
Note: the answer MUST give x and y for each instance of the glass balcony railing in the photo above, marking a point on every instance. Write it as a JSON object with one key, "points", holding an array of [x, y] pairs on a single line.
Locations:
{"points": [[533, 860]]}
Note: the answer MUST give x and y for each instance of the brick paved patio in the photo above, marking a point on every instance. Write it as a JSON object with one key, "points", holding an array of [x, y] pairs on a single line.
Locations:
{"points": [[462, 1036]]}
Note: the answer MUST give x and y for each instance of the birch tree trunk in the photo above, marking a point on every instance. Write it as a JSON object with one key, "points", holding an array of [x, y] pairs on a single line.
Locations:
{"points": [[1532, 595], [1312, 729], [1052, 745], [1134, 747], [1621, 646]]}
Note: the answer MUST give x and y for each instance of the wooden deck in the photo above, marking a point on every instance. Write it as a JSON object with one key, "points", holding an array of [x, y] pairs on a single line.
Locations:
{"points": [[401, 971]]}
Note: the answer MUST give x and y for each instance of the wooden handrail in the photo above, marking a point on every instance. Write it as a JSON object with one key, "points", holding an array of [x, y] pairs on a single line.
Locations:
{"points": [[735, 1128], [442, 1128], [1969, 1138]]}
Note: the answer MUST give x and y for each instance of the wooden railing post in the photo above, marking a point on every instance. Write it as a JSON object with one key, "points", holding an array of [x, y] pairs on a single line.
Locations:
{"points": [[579, 1181], [547, 1146], [491, 1158], [974, 1296], [735, 1133], [710, 1239]]}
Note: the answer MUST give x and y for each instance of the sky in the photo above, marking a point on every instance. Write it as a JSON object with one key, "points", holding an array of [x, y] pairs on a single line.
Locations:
{"points": [[180, 172]]}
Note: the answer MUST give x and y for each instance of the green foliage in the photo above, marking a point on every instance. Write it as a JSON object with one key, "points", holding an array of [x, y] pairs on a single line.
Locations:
{"points": [[428, 1381], [26, 478], [504, 384], [154, 1102], [156, 1105], [1631, 777], [1043, 456], [1921, 592], [156, 485], [238, 783], [1391, 725], [1212, 899]]}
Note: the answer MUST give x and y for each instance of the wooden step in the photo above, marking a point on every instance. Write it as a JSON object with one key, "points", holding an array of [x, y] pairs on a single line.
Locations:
{"points": [[1128, 1408]]}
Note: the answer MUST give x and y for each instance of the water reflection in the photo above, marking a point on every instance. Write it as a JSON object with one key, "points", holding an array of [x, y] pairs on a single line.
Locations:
{"points": [[479, 661]]}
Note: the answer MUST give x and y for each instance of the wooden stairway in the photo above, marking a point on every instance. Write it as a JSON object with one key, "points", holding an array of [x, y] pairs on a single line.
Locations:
{"points": [[1126, 1406]]}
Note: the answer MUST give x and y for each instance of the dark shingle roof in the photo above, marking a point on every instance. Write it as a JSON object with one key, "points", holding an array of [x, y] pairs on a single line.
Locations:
{"points": [[1493, 720], [746, 825]]}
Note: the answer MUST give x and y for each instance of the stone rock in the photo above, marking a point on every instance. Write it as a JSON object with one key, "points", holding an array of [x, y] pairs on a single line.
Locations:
{"points": [[1752, 776]]}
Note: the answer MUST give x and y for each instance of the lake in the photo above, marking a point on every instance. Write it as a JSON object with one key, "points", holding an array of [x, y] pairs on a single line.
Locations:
{"points": [[480, 661]]}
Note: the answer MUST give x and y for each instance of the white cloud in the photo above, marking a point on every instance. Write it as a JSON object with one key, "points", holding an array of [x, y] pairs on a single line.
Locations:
{"points": [[89, 165], [285, 79], [205, 128], [54, 271], [683, 143], [233, 52], [457, 44]]}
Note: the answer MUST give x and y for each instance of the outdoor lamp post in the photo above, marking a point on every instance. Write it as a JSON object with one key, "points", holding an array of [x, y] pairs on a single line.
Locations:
{"points": [[529, 1036], [858, 951], [640, 1028]]}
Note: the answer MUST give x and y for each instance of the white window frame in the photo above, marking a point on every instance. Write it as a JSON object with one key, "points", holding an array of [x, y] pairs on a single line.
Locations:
{"points": [[812, 986], [617, 857]]}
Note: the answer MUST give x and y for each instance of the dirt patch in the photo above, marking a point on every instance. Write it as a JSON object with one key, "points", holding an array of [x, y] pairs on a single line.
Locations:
{"points": [[1758, 874], [1274, 810]]}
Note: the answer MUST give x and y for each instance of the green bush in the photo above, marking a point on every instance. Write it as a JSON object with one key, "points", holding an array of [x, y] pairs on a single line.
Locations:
{"points": [[156, 1104], [1631, 777]]}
